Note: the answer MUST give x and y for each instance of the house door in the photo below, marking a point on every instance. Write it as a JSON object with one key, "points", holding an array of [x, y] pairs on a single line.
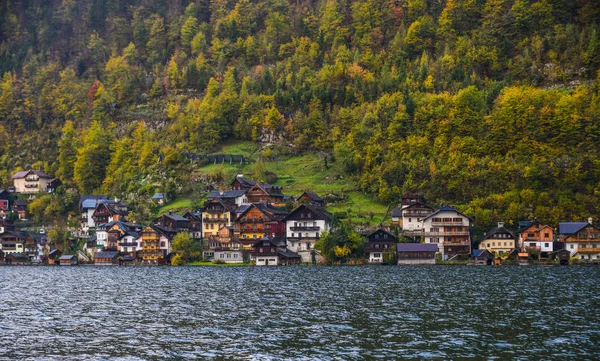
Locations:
{"points": [[489, 262], [266, 262]]}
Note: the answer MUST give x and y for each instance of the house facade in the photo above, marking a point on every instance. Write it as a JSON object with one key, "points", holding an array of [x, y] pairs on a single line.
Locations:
{"points": [[537, 237], [449, 229], [4, 206], [265, 193], [216, 214], [380, 242], [110, 211], [416, 253], [31, 181], [271, 251], [260, 220], [303, 228], [499, 240], [584, 243], [87, 206], [413, 215]]}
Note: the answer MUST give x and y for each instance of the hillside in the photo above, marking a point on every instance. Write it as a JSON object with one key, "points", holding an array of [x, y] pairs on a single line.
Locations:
{"points": [[491, 105]]}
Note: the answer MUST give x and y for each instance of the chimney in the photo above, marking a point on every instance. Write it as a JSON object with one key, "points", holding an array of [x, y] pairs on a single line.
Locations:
{"points": [[500, 224], [590, 220]]}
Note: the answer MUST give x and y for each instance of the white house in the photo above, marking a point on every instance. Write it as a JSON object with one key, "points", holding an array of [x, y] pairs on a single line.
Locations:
{"points": [[413, 215], [87, 206], [303, 227], [583, 242], [449, 229]]}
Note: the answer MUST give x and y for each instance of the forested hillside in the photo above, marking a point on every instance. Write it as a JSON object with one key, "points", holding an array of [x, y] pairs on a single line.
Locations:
{"points": [[492, 105]]}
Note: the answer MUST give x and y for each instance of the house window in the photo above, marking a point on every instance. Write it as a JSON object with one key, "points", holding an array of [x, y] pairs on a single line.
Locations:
{"points": [[410, 219], [546, 244], [531, 244], [260, 250], [162, 244], [377, 255], [221, 255], [235, 255], [292, 234], [546, 235], [572, 246]]}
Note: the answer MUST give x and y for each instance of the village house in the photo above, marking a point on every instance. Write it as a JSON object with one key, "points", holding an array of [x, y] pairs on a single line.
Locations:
{"points": [[416, 253], [265, 193], [397, 217], [310, 197], [6, 225], [498, 240], [109, 235], [4, 206], [31, 181], [303, 228], [237, 197], [449, 229], [173, 222], [583, 242], [87, 206], [380, 242], [19, 242], [151, 240], [413, 215], [225, 247], [271, 251], [216, 213], [260, 220], [110, 211], [16, 258], [241, 183], [195, 224], [53, 256], [536, 237], [20, 208]]}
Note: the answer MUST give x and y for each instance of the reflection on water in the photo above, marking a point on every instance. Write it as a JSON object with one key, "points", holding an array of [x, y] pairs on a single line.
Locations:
{"points": [[299, 313]]}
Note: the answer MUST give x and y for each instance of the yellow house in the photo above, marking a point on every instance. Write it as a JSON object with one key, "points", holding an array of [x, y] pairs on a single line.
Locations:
{"points": [[216, 215], [31, 181], [499, 240]]}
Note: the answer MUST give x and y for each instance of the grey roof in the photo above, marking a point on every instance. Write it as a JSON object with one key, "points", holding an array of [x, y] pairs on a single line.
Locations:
{"points": [[446, 209], [20, 202], [226, 194], [159, 196], [397, 212], [242, 208], [24, 173], [106, 254], [90, 201], [312, 195], [287, 253], [417, 247], [497, 230], [245, 181], [66, 257], [316, 209], [570, 227]]}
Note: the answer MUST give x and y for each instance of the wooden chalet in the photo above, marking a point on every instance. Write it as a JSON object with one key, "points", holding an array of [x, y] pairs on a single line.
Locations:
{"points": [[241, 183], [54, 255], [195, 224], [151, 250], [416, 253], [4, 201], [584, 243], [110, 211], [173, 221], [18, 242], [562, 256], [20, 208], [260, 220], [499, 240], [216, 213], [303, 228], [380, 242], [536, 237], [310, 197], [265, 193]]}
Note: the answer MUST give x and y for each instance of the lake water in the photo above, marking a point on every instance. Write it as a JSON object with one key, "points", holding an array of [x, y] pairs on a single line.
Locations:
{"points": [[300, 313]]}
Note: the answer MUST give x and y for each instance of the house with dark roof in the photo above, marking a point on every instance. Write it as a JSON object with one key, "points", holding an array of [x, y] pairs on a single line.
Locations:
{"points": [[260, 220], [173, 221], [4, 206], [265, 193], [310, 197], [108, 258], [397, 216], [16, 258], [87, 206], [498, 240], [20, 207], [583, 241], [380, 242], [416, 253], [449, 230], [195, 224], [67, 260], [238, 197], [272, 251], [303, 228], [413, 215], [217, 213], [160, 199], [241, 183], [31, 181], [110, 211]]}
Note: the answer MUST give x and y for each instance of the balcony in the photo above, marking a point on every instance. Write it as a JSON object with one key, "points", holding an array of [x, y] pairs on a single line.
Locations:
{"points": [[305, 228], [448, 223], [214, 220], [445, 234], [125, 244], [415, 214], [254, 220], [588, 250]]}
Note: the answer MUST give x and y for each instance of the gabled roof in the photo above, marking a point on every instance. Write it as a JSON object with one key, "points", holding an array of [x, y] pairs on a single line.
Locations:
{"points": [[417, 247], [66, 257], [316, 209], [312, 195], [226, 194], [287, 253], [446, 209], [91, 201], [176, 217], [397, 212], [229, 206], [277, 242], [570, 227], [159, 196], [245, 182], [268, 210], [20, 202], [24, 174], [242, 208], [496, 231], [407, 206], [384, 231], [106, 254]]}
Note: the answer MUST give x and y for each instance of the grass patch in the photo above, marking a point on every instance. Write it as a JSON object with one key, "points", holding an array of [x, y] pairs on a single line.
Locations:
{"points": [[199, 263], [178, 203]]}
